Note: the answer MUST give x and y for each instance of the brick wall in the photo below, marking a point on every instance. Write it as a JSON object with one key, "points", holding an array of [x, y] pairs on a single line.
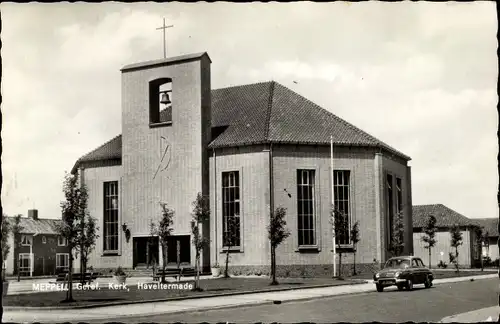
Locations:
{"points": [[367, 199], [252, 163]]}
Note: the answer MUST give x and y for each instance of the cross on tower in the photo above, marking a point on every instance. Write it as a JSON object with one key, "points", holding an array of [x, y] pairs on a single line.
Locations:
{"points": [[164, 28]]}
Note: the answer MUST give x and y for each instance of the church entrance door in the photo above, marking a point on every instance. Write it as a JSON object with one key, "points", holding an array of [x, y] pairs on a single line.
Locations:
{"points": [[146, 252], [179, 250]]}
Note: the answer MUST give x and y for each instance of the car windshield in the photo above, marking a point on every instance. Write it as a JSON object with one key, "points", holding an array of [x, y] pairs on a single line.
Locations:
{"points": [[397, 263]]}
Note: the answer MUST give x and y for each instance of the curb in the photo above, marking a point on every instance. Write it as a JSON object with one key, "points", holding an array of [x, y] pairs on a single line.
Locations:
{"points": [[181, 298]]}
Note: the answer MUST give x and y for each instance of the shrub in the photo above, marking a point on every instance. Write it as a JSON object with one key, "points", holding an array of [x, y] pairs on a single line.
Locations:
{"points": [[119, 272], [442, 264]]}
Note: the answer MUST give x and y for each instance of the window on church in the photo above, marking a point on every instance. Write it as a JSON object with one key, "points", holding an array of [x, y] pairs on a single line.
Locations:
{"points": [[110, 216], [160, 101], [390, 208], [306, 208], [399, 195], [341, 191], [231, 208]]}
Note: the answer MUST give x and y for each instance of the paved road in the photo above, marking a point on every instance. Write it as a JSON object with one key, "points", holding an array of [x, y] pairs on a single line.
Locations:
{"points": [[420, 305]]}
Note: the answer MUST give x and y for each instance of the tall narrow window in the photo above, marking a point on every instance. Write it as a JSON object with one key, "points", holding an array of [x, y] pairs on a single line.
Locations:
{"points": [[160, 101], [399, 196], [305, 207], [111, 216], [390, 208], [231, 209], [341, 189]]}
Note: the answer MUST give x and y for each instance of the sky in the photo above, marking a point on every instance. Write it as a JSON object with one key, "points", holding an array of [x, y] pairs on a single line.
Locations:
{"points": [[420, 76]]}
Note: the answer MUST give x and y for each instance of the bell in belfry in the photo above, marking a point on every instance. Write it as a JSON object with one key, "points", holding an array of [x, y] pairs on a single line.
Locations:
{"points": [[165, 100]]}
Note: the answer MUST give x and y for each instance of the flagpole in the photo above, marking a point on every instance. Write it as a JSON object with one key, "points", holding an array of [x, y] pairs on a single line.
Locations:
{"points": [[333, 210]]}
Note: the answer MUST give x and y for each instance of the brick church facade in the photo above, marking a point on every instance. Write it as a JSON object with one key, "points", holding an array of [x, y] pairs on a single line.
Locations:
{"points": [[250, 149]]}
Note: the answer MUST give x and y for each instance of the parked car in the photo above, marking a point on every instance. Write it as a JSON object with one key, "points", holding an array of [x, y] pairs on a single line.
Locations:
{"points": [[403, 272]]}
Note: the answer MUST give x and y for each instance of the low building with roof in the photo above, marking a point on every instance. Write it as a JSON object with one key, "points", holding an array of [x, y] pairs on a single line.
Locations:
{"points": [[249, 149], [490, 228], [446, 218], [39, 251]]}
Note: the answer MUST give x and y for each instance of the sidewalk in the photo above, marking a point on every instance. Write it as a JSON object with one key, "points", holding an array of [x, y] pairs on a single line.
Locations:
{"points": [[489, 314], [191, 305]]}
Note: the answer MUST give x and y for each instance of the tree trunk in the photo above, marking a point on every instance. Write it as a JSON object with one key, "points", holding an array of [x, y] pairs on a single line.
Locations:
{"points": [[354, 272], [429, 258], [18, 268], [81, 252], [164, 251], [273, 265], [340, 265], [70, 277], [226, 271], [198, 270]]}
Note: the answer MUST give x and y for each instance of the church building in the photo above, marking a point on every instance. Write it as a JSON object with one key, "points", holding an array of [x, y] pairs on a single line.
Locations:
{"points": [[250, 149]]}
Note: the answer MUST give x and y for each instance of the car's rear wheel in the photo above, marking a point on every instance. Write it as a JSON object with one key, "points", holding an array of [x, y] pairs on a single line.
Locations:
{"points": [[380, 288], [428, 282], [400, 287], [409, 284]]}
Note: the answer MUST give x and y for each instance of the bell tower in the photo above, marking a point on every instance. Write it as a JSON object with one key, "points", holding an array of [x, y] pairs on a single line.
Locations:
{"points": [[166, 112]]}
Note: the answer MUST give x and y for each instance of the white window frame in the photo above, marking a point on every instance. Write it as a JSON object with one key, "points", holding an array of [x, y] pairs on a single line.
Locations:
{"points": [[66, 260], [64, 241], [350, 218], [21, 269], [109, 223], [310, 175], [234, 175], [28, 238]]}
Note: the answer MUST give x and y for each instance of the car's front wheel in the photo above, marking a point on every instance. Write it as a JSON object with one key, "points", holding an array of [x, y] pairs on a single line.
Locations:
{"points": [[409, 284], [400, 287], [380, 288]]}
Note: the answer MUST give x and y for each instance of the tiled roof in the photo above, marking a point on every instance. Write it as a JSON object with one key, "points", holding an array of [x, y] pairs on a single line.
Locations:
{"points": [[445, 217], [39, 226], [112, 149], [267, 112], [490, 225]]}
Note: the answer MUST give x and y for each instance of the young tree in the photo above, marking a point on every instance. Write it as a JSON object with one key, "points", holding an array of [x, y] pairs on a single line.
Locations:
{"points": [[150, 256], [480, 236], [16, 230], [341, 233], [355, 240], [201, 214], [164, 231], [455, 241], [5, 242], [430, 235], [87, 240], [277, 233], [397, 239], [74, 210], [231, 237]]}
